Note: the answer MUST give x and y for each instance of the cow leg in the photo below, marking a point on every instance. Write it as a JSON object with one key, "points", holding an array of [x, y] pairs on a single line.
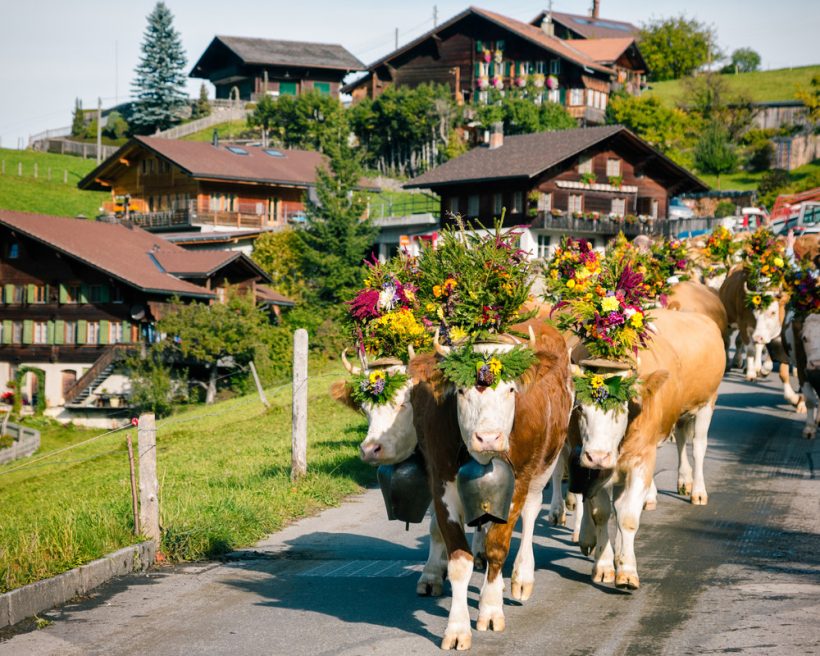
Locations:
{"points": [[758, 355], [766, 362], [587, 535], [703, 419], [651, 501], [570, 500], [599, 509], [810, 428], [684, 429], [478, 546], [789, 394], [432, 576], [628, 504], [751, 363], [577, 517], [523, 575], [558, 510]]}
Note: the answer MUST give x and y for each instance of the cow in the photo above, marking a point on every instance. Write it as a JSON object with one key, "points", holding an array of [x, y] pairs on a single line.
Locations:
{"points": [[679, 373], [525, 422], [801, 340]]}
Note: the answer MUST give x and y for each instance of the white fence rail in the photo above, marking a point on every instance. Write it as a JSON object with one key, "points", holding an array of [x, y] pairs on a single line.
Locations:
{"points": [[26, 442], [217, 117]]}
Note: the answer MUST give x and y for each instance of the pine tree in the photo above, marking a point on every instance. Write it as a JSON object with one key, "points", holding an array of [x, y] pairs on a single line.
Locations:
{"points": [[159, 86], [336, 238], [78, 119], [202, 107]]}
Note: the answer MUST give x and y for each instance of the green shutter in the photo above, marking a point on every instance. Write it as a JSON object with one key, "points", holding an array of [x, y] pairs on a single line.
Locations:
{"points": [[9, 294], [31, 293], [28, 331], [59, 331], [104, 331], [83, 294], [287, 88], [50, 333], [82, 331], [105, 294], [7, 330], [126, 332], [477, 72], [322, 87], [63, 294], [479, 46]]}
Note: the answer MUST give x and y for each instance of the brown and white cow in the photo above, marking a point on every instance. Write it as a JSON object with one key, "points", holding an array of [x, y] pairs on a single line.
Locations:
{"points": [[679, 373], [524, 421], [801, 339]]}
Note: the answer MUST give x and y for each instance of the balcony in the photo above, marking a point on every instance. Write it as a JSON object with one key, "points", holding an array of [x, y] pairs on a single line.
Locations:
{"points": [[631, 228]]}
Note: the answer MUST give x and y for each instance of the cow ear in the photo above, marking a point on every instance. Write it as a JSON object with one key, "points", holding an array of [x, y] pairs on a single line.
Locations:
{"points": [[342, 392], [650, 387]]}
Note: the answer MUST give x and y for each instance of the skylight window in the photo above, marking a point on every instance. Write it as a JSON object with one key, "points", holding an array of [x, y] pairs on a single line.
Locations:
{"points": [[274, 153], [236, 150], [601, 23]]}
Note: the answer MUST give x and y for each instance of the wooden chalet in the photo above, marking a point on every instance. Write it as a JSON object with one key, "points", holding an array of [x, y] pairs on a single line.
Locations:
{"points": [[78, 294], [591, 182], [246, 68], [577, 26], [479, 50], [167, 184]]}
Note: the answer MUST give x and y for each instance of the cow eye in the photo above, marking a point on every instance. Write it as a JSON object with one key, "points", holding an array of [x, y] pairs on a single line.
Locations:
{"points": [[461, 392]]}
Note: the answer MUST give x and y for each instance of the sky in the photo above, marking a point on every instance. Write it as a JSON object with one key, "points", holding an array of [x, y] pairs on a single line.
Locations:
{"points": [[53, 51]]}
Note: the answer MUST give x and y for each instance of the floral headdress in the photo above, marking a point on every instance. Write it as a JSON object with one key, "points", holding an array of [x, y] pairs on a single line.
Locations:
{"points": [[613, 322], [655, 285], [673, 261], [803, 283], [572, 270], [611, 392], [385, 314], [378, 386], [474, 284], [466, 367], [765, 266], [719, 250]]}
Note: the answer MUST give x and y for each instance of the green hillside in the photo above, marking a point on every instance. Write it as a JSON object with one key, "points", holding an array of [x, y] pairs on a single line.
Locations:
{"points": [[41, 194], [761, 86]]}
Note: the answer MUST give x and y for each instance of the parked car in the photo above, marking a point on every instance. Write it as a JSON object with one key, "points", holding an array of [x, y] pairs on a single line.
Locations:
{"points": [[805, 222]]}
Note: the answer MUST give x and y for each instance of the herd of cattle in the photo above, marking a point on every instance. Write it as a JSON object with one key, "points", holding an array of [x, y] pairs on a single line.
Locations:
{"points": [[535, 422]]}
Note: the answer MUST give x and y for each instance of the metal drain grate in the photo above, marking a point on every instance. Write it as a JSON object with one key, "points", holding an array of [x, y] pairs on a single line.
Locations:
{"points": [[363, 569]]}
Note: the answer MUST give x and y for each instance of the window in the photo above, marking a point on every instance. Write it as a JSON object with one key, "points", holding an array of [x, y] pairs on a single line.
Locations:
{"points": [[543, 246], [93, 333], [40, 332], [540, 67], [472, 205], [40, 294], [322, 87], [213, 203], [452, 205], [544, 202], [70, 332], [613, 167], [555, 67], [97, 294], [517, 202], [236, 150], [554, 95], [272, 152], [116, 295], [575, 203], [287, 88], [618, 206], [115, 332], [19, 293], [576, 96], [72, 294], [17, 332], [14, 250], [498, 204], [585, 164]]}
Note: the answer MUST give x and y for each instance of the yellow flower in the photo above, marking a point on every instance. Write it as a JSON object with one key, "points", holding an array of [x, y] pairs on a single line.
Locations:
{"points": [[554, 274], [495, 366], [376, 376], [440, 313], [597, 381], [637, 319], [457, 334], [367, 283], [571, 283], [756, 300], [436, 290], [610, 304], [583, 273], [507, 288], [778, 261], [449, 285], [410, 296], [588, 296], [430, 307]]}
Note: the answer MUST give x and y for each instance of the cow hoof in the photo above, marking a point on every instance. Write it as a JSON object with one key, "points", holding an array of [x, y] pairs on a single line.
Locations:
{"points": [[479, 562], [558, 518], [521, 590], [575, 537], [495, 621], [650, 504], [603, 574], [809, 433], [586, 549], [570, 501], [751, 379], [429, 585], [460, 640], [627, 580], [800, 408], [685, 489], [699, 498]]}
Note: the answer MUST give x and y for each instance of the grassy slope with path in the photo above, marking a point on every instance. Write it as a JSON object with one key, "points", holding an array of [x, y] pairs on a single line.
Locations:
{"points": [[224, 473], [760, 86], [745, 180], [29, 194]]}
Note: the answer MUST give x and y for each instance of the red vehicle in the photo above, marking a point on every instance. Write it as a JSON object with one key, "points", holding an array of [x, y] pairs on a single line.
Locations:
{"points": [[787, 206]]}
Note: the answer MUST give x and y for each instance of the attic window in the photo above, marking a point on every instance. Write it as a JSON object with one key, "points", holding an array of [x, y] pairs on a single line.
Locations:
{"points": [[273, 153], [236, 150]]}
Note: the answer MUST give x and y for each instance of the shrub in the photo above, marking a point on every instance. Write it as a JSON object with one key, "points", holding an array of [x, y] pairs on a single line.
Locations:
{"points": [[153, 388], [116, 127], [724, 208], [773, 180]]}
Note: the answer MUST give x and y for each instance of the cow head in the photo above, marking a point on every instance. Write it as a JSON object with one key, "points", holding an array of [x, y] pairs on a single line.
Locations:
{"points": [[486, 413], [768, 318], [391, 435], [810, 337], [602, 427]]}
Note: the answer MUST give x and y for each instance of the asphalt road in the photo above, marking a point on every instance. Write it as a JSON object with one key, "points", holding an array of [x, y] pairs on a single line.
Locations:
{"points": [[741, 575]]}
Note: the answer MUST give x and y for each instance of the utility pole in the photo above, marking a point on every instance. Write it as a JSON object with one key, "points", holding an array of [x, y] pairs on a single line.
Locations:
{"points": [[116, 74], [397, 39], [99, 130], [435, 16]]}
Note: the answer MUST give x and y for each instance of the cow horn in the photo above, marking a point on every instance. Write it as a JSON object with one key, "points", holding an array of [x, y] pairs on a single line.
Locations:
{"points": [[532, 338], [746, 288], [411, 352], [350, 368], [441, 349]]}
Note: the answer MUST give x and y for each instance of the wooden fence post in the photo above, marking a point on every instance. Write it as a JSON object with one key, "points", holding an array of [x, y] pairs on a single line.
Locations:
{"points": [[149, 486], [131, 468], [259, 389], [65, 176], [35, 169], [19, 168], [298, 467]]}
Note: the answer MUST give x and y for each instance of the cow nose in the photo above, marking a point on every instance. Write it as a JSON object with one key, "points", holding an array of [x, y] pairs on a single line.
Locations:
{"points": [[370, 452], [596, 459], [758, 339], [488, 442]]}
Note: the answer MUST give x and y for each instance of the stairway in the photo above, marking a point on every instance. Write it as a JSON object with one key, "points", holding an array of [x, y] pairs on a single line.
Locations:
{"points": [[83, 395]]}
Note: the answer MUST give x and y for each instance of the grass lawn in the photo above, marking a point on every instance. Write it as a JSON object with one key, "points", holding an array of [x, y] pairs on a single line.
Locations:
{"points": [[759, 86], [746, 181], [29, 194], [227, 130], [224, 473]]}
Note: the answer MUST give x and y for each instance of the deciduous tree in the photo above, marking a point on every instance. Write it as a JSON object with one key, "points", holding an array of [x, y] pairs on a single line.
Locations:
{"points": [[677, 46], [714, 153], [743, 60]]}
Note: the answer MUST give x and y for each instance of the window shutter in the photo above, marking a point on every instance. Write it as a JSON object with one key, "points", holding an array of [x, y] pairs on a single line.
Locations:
{"points": [[83, 294], [63, 294], [59, 332], [126, 331], [28, 331], [562, 96], [7, 329], [479, 46], [103, 332], [9, 294], [82, 331], [50, 333], [105, 294], [31, 293]]}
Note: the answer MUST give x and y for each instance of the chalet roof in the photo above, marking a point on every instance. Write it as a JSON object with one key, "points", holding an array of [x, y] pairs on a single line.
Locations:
{"points": [[526, 156], [603, 50], [589, 27], [277, 52], [526, 31], [127, 253], [269, 295]]}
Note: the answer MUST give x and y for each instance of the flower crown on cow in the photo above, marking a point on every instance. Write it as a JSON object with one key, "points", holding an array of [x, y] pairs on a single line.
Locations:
{"points": [[803, 283], [719, 250], [377, 387], [765, 267], [474, 282], [655, 284], [672, 259], [611, 392], [466, 367], [572, 270]]}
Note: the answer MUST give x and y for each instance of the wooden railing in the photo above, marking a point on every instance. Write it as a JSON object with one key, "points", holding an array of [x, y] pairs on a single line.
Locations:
{"points": [[26, 442], [111, 354], [607, 226]]}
